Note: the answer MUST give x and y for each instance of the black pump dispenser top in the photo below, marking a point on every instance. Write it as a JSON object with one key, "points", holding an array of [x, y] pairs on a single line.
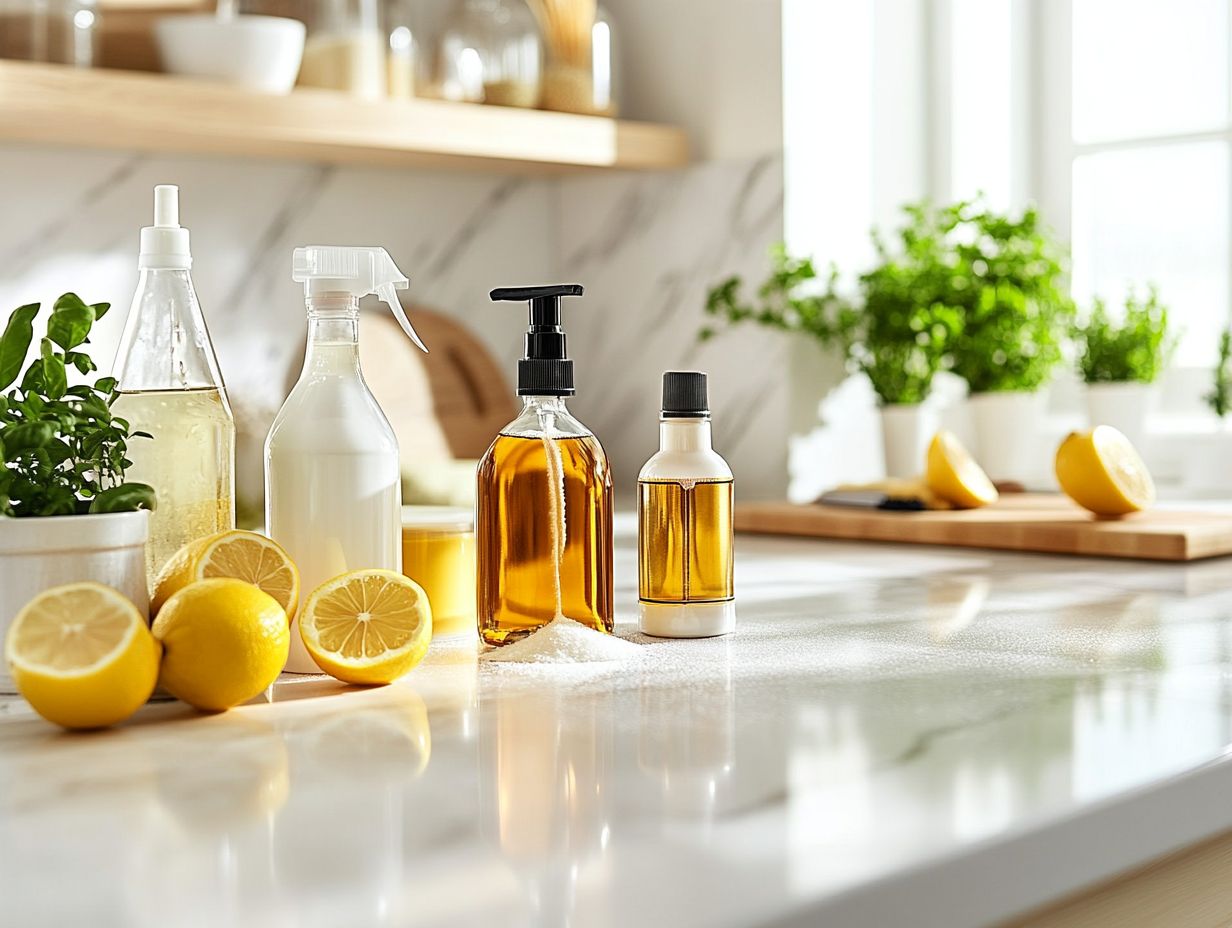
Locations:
{"points": [[546, 370]]}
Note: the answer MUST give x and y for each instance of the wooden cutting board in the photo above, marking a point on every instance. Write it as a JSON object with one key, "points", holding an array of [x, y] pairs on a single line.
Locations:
{"points": [[1019, 522]]}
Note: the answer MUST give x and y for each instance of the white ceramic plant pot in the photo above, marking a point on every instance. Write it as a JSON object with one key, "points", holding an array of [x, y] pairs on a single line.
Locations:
{"points": [[906, 430], [37, 554], [1205, 470], [1124, 406], [1007, 433]]}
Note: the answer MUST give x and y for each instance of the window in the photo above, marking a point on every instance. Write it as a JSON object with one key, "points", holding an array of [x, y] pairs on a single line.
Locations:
{"points": [[1116, 117], [1142, 174]]}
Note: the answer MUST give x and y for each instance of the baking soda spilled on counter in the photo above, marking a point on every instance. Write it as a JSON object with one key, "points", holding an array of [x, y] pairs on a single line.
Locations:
{"points": [[564, 641]]}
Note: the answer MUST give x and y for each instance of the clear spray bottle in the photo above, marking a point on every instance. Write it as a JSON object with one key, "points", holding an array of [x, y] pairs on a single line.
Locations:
{"points": [[543, 522], [171, 387], [333, 487]]}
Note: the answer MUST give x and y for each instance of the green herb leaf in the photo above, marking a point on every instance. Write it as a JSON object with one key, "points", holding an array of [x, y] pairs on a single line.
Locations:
{"points": [[128, 497], [15, 342], [70, 323], [19, 439], [54, 375]]}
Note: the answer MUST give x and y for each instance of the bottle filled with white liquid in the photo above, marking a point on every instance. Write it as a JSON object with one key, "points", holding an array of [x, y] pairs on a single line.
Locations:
{"points": [[333, 491], [171, 389]]}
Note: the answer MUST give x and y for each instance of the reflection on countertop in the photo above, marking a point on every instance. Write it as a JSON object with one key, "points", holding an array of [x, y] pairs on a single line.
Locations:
{"points": [[881, 712]]}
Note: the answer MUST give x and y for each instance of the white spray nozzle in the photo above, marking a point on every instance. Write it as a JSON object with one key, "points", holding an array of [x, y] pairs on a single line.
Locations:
{"points": [[167, 206], [164, 245], [357, 270]]}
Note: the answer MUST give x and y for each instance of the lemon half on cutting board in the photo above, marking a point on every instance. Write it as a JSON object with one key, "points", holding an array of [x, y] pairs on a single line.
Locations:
{"points": [[236, 554], [82, 655], [367, 626], [1100, 470], [952, 473]]}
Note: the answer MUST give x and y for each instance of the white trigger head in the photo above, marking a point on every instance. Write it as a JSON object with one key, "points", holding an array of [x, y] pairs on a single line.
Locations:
{"points": [[388, 293]]}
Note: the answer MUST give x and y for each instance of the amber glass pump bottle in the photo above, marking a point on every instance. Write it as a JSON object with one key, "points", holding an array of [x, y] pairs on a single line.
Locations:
{"points": [[543, 521], [685, 494]]}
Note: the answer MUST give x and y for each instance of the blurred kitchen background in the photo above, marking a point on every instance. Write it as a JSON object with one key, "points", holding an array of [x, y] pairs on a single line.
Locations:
{"points": [[807, 123]]}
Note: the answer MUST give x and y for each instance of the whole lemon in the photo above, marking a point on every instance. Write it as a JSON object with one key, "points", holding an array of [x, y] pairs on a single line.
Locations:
{"points": [[224, 641]]}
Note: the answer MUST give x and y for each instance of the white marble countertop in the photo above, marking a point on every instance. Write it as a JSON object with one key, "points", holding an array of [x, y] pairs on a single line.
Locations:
{"points": [[894, 736]]}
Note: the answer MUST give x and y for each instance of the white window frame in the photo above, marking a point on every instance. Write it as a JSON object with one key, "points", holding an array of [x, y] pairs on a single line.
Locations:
{"points": [[1052, 156]]}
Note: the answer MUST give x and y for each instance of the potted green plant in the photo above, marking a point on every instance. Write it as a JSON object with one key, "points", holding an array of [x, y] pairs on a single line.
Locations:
{"points": [[1005, 279], [67, 514], [892, 331], [1205, 469], [1120, 362]]}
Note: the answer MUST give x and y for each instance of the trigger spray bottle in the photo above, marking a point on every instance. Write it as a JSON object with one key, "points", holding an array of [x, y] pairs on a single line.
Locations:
{"points": [[333, 487]]}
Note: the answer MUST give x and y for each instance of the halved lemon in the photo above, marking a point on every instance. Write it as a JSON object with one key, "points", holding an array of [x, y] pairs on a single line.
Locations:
{"points": [[953, 475], [82, 655], [1101, 471], [367, 626], [238, 555]]}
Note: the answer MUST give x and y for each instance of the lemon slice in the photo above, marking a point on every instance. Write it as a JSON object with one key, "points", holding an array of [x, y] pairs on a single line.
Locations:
{"points": [[953, 475], [238, 555], [367, 626], [82, 656], [1101, 471]]}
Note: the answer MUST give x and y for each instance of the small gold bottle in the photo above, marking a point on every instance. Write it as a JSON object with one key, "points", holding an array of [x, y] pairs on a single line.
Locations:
{"points": [[543, 520], [685, 497]]}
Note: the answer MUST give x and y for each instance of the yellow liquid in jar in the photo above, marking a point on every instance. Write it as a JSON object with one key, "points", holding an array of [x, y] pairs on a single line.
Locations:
{"points": [[685, 541], [443, 563], [544, 527], [188, 462]]}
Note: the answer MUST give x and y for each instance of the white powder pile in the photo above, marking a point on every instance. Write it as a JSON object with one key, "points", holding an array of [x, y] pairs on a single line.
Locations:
{"points": [[564, 641]]}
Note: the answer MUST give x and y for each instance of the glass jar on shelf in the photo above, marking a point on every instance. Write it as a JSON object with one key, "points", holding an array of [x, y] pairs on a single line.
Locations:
{"points": [[345, 48], [490, 53], [73, 37], [580, 72], [55, 31], [408, 56]]}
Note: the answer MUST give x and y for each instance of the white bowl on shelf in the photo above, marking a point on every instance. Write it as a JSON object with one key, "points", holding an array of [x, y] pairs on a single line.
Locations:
{"points": [[258, 52]]}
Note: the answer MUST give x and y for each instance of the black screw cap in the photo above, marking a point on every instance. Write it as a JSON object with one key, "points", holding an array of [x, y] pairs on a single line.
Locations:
{"points": [[685, 395]]}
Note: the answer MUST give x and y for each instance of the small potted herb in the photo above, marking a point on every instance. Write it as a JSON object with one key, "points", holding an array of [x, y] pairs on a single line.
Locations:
{"points": [[1120, 362], [66, 513], [1006, 281], [891, 332], [1205, 470]]}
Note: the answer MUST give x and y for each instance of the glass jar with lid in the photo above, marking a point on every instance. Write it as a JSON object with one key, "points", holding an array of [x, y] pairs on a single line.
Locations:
{"points": [[490, 53], [580, 71], [57, 31], [345, 48]]}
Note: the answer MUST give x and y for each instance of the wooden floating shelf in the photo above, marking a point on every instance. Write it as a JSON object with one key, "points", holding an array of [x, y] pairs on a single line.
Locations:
{"points": [[58, 105]]}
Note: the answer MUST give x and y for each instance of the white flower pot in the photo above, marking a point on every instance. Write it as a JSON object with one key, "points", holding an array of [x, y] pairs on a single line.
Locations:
{"points": [[1007, 435], [906, 430], [1205, 470], [39, 553], [1124, 406]]}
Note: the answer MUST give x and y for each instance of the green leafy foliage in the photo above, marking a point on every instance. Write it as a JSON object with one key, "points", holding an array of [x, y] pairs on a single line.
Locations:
{"points": [[964, 289], [63, 451], [1005, 279], [1220, 397], [1136, 351]]}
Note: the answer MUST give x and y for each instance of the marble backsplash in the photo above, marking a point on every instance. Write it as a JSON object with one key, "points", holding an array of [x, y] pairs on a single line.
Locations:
{"points": [[645, 245]]}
